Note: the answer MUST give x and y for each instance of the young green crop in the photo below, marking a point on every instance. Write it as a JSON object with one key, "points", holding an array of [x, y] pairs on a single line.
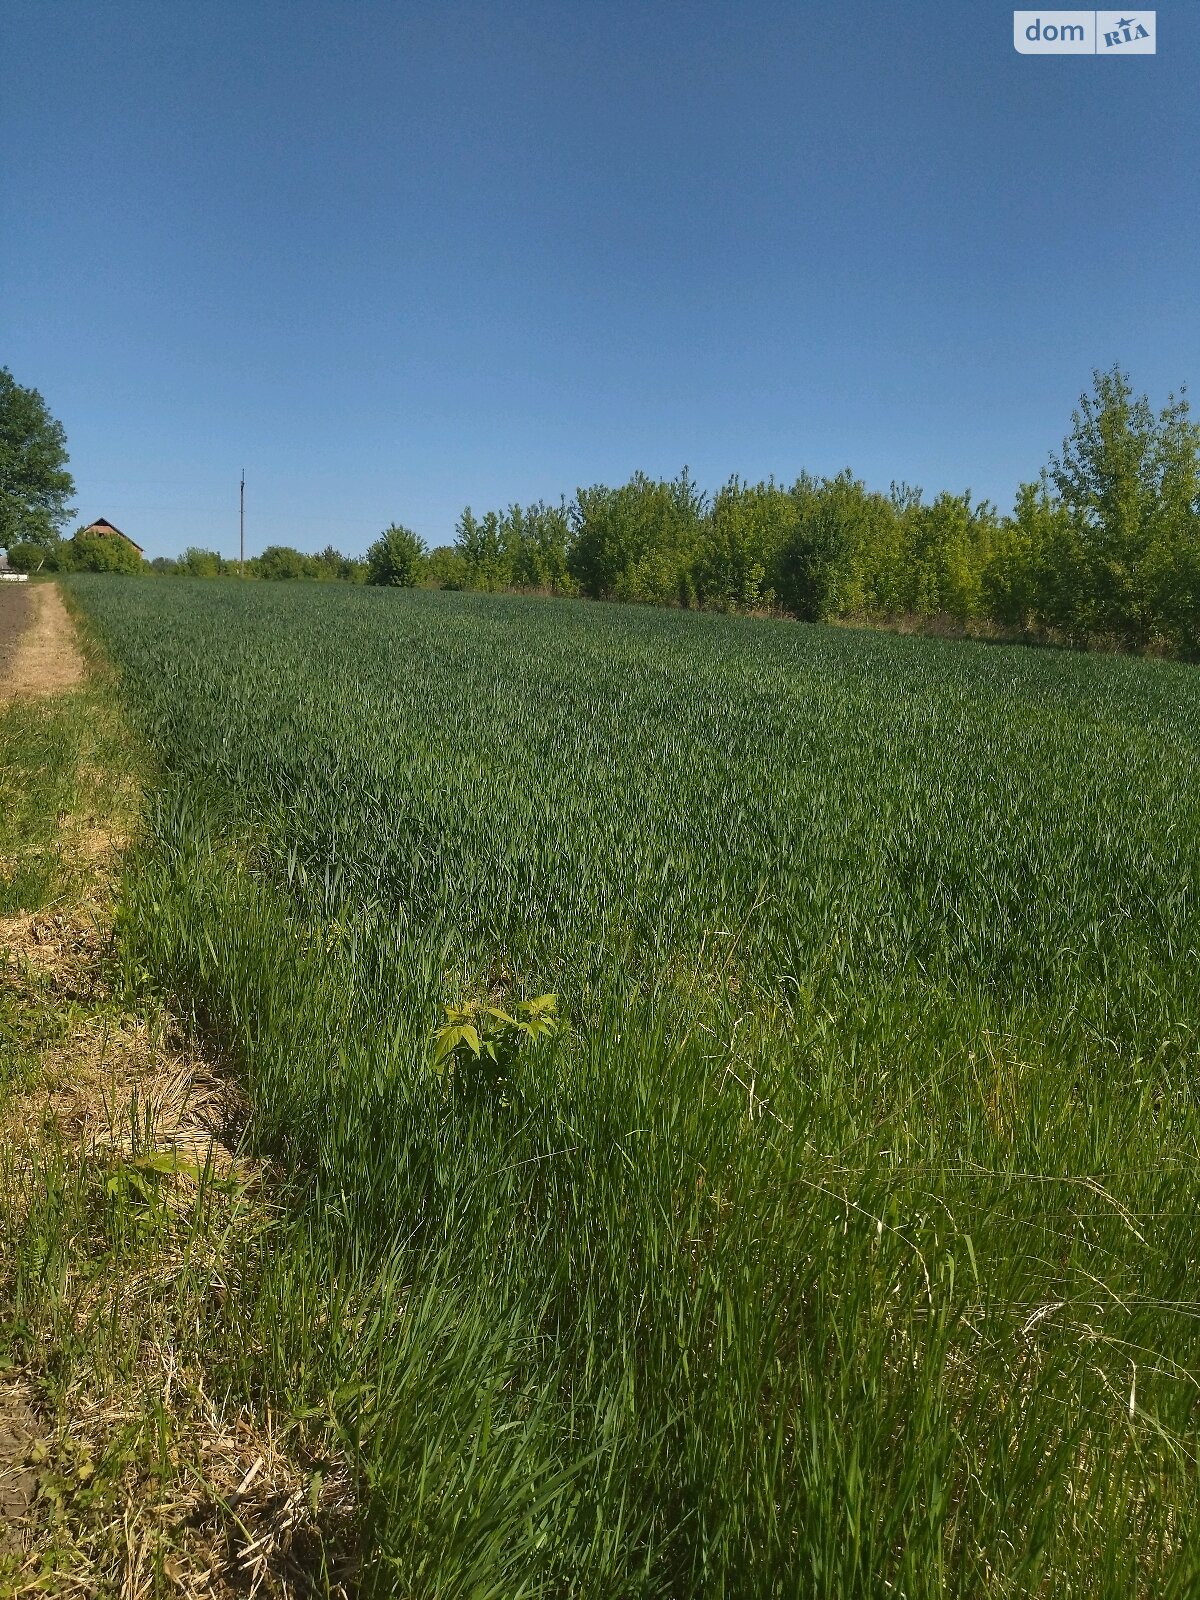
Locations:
{"points": [[839, 1241]]}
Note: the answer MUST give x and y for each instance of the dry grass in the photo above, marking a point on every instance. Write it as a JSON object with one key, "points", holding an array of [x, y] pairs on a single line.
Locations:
{"points": [[115, 1076], [142, 1482], [126, 1496]]}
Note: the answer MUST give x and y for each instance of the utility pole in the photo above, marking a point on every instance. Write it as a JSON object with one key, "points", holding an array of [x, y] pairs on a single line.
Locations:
{"points": [[242, 527]]}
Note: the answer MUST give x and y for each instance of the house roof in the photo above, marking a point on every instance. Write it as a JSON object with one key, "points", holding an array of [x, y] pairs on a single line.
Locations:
{"points": [[104, 527]]}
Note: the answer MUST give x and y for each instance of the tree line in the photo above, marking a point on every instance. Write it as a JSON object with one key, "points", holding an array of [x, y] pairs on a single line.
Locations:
{"points": [[1102, 548]]}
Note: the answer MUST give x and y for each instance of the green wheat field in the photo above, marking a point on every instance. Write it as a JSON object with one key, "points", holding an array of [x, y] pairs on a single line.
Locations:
{"points": [[840, 1237]]}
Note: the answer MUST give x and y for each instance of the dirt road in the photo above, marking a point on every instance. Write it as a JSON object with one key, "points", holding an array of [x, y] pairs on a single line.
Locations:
{"points": [[14, 614], [38, 653]]}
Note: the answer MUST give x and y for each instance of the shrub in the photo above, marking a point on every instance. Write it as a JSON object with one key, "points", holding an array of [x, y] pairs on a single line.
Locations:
{"points": [[445, 568], [279, 562], [397, 558], [91, 552], [24, 555]]}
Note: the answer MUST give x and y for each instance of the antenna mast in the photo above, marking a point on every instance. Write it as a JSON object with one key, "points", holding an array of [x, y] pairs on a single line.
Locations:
{"points": [[242, 530]]}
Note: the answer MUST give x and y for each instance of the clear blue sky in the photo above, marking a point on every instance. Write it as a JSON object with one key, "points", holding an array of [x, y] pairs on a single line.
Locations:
{"points": [[395, 258]]}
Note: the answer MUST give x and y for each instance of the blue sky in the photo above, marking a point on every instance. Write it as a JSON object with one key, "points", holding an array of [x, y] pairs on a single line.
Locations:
{"points": [[396, 258]]}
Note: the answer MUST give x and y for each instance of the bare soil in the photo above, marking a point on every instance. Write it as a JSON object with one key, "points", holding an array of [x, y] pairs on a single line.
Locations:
{"points": [[38, 653], [15, 611]]}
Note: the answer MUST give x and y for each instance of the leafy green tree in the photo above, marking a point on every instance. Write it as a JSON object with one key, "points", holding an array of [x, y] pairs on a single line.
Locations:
{"points": [[198, 563], [1171, 560], [333, 566], [93, 552], [1009, 583], [446, 569], [947, 545], [816, 552], [597, 550], [486, 551], [515, 534], [819, 567], [1107, 545], [1108, 478], [638, 542], [739, 545], [397, 558], [35, 485], [468, 545], [879, 556], [280, 562], [28, 556], [536, 541]]}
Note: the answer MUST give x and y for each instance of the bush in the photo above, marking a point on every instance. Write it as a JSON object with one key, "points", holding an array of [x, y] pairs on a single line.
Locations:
{"points": [[334, 567], [91, 552], [279, 562], [24, 555], [397, 558], [445, 568], [198, 563]]}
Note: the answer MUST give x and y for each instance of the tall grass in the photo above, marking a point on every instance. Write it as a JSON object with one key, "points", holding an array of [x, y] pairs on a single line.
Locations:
{"points": [[843, 1244]]}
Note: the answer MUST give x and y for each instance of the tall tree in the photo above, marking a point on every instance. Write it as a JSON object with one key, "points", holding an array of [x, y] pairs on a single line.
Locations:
{"points": [[1106, 479], [34, 482], [638, 542]]}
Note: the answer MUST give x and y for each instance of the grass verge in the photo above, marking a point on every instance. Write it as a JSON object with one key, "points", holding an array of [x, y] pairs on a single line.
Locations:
{"points": [[139, 1451]]}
